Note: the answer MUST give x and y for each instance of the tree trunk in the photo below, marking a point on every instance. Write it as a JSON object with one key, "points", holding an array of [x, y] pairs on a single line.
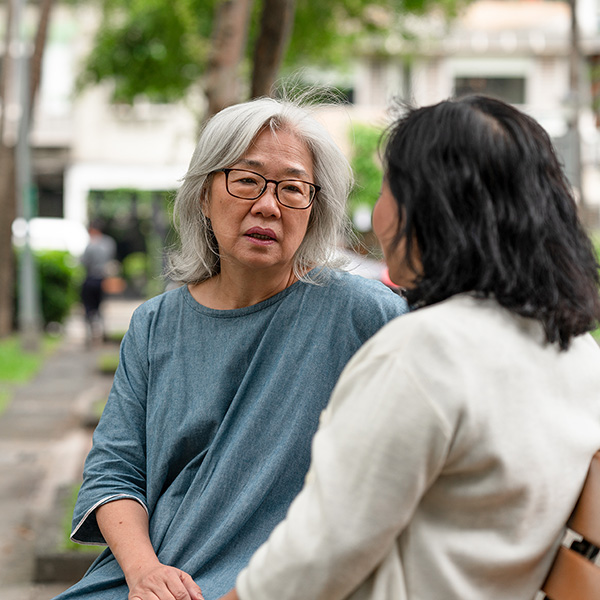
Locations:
{"points": [[275, 30], [228, 43], [8, 188], [7, 216], [35, 64], [7, 194]]}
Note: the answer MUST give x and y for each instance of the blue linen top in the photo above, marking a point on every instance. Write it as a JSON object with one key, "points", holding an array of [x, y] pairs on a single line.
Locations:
{"points": [[210, 419]]}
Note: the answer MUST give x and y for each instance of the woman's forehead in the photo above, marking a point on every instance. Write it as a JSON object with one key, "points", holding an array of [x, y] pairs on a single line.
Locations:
{"points": [[283, 150]]}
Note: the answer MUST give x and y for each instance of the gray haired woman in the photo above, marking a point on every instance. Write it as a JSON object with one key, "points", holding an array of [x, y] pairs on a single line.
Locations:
{"points": [[205, 439]]}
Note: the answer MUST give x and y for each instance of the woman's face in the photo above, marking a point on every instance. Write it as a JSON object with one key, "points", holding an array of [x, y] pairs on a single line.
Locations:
{"points": [[386, 221], [261, 234]]}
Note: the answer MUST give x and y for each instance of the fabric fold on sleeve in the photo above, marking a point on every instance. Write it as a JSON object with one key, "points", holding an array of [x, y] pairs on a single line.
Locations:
{"points": [[86, 531]]}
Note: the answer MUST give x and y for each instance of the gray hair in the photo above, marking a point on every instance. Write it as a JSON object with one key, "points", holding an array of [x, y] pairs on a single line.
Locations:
{"points": [[223, 141]]}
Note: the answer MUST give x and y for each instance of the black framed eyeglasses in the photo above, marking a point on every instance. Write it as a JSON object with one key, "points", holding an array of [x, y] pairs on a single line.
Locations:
{"points": [[249, 185]]}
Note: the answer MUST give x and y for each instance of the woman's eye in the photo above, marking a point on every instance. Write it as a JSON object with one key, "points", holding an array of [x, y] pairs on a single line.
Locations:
{"points": [[245, 181], [292, 188]]}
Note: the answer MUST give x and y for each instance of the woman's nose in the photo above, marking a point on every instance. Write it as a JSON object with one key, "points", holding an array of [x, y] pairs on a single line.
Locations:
{"points": [[267, 203]]}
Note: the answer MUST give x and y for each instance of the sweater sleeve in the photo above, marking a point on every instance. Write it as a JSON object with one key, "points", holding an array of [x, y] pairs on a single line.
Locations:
{"points": [[115, 467], [380, 445]]}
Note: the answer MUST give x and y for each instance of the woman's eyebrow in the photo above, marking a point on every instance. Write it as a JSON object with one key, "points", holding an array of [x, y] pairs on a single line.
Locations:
{"points": [[293, 171]]}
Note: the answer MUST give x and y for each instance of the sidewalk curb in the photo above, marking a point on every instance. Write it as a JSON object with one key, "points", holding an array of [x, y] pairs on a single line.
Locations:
{"points": [[51, 564]]}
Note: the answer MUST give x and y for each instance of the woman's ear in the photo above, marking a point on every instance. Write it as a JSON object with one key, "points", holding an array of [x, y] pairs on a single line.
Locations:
{"points": [[205, 202]]}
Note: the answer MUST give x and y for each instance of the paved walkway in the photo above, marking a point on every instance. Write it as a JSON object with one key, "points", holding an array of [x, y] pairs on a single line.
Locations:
{"points": [[42, 447]]}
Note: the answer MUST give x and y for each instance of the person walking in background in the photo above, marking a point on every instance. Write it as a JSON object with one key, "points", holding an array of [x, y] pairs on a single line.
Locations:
{"points": [[458, 438], [96, 259], [205, 438]]}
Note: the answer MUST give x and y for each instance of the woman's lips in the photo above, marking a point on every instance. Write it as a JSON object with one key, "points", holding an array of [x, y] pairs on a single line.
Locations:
{"points": [[260, 235]]}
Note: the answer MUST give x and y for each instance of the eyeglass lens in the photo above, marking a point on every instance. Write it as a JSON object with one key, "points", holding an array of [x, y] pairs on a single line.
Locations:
{"points": [[249, 185]]}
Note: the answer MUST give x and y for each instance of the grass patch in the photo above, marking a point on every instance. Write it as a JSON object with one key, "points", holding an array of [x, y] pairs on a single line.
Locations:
{"points": [[18, 367], [114, 337], [98, 408], [108, 363], [5, 398], [94, 413], [65, 542]]}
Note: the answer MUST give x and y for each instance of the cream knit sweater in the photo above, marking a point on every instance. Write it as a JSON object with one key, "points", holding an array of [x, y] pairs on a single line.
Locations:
{"points": [[451, 454]]}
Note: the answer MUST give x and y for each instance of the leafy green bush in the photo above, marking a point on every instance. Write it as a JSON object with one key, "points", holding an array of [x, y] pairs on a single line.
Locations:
{"points": [[135, 271], [367, 169], [59, 278]]}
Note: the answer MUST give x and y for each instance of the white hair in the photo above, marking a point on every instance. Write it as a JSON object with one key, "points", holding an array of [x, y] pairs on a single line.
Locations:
{"points": [[223, 141]]}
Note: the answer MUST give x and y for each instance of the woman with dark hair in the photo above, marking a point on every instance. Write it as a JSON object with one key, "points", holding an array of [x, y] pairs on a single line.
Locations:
{"points": [[458, 438]]}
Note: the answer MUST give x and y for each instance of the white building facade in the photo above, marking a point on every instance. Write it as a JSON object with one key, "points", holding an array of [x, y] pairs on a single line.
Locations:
{"points": [[517, 50]]}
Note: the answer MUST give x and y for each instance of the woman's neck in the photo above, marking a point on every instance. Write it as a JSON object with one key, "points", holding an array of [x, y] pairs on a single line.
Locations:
{"points": [[226, 291]]}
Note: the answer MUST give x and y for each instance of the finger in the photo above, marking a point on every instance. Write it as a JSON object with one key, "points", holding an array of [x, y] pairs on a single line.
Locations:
{"points": [[146, 596], [177, 588], [159, 590], [191, 586]]}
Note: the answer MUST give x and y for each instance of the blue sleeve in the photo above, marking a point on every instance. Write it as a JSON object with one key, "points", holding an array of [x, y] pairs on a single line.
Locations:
{"points": [[116, 465], [372, 305]]}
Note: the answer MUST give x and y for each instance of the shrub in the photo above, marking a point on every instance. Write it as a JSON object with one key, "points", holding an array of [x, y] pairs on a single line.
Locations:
{"points": [[366, 166], [135, 271], [59, 278]]}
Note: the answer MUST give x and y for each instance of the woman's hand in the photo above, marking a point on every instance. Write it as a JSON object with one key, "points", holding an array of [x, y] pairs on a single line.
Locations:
{"points": [[124, 525], [163, 583]]}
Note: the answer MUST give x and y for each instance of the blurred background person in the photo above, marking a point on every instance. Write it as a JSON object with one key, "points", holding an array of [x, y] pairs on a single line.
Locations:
{"points": [[98, 260]]}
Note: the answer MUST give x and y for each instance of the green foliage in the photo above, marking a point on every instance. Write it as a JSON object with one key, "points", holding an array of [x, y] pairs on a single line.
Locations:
{"points": [[140, 222], [69, 500], [98, 408], [159, 48], [326, 33], [108, 363], [60, 278], [114, 337], [5, 397], [135, 271], [152, 47], [596, 241], [366, 166], [17, 366]]}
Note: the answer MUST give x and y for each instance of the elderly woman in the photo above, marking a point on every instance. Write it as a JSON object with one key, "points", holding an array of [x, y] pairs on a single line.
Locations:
{"points": [[205, 439], [458, 438]]}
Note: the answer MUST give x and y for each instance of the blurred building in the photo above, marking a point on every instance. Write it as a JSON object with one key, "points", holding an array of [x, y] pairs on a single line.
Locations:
{"points": [[82, 143], [516, 50]]}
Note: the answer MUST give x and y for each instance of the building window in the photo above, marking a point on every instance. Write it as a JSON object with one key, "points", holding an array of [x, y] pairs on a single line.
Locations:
{"points": [[509, 89]]}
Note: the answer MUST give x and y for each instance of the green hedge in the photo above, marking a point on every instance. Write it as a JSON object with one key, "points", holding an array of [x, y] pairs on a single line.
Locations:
{"points": [[60, 278], [366, 166]]}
